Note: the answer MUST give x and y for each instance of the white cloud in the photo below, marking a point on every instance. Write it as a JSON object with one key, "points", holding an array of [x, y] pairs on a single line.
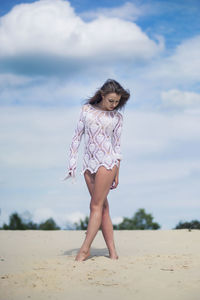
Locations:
{"points": [[34, 136], [117, 220], [179, 68], [51, 29], [180, 99], [158, 172], [11, 81], [147, 132], [128, 11], [75, 217], [62, 219], [38, 90], [174, 71], [42, 214], [177, 71], [186, 59]]}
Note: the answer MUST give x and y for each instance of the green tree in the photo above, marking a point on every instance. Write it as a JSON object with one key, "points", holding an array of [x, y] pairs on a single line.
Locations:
{"points": [[15, 223], [194, 224], [140, 221], [31, 226], [48, 225]]}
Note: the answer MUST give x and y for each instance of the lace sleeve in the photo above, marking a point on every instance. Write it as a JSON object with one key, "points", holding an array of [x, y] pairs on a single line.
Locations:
{"points": [[116, 138], [73, 150]]}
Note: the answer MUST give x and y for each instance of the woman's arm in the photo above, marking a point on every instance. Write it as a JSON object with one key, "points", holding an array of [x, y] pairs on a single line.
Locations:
{"points": [[116, 138], [73, 150], [117, 147]]}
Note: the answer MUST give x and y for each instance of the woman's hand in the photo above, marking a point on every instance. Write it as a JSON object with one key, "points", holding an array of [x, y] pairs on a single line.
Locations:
{"points": [[116, 179], [115, 182], [71, 173]]}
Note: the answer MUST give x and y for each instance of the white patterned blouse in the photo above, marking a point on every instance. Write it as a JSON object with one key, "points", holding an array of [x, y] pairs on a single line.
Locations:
{"points": [[102, 134]]}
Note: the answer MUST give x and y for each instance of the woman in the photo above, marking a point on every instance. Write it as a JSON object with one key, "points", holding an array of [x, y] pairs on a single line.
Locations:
{"points": [[101, 124]]}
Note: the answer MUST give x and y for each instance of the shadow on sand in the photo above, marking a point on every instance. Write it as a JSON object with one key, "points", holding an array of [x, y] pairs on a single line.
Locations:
{"points": [[93, 252]]}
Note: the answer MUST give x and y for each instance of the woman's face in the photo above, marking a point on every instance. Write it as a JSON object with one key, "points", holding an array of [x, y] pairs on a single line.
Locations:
{"points": [[110, 101]]}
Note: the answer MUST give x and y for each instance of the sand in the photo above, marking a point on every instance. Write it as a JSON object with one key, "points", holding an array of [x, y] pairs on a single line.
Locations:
{"points": [[163, 264]]}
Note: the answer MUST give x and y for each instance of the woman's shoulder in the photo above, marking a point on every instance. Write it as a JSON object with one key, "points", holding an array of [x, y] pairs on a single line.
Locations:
{"points": [[85, 106], [119, 114]]}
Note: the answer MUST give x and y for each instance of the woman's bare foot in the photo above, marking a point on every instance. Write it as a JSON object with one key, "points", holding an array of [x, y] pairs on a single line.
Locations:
{"points": [[113, 255], [82, 255]]}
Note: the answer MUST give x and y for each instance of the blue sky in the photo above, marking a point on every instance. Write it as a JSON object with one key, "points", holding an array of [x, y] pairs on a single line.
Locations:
{"points": [[53, 55]]}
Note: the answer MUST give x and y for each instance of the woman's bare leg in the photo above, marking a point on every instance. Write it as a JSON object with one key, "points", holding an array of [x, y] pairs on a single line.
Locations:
{"points": [[106, 224], [102, 183], [107, 231]]}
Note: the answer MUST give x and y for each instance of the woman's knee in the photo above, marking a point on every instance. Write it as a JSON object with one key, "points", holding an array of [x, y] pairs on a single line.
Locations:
{"points": [[96, 205]]}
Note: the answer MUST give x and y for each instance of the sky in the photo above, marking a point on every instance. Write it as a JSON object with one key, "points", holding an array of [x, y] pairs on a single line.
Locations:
{"points": [[54, 54]]}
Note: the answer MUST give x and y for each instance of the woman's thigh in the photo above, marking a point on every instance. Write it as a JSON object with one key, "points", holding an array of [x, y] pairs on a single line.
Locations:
{"points": [[90, 179], [102, 183], [99, 184]]}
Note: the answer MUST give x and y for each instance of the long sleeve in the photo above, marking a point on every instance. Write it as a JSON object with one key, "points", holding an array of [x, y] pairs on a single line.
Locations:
{"points": [[116, 138], [73, 150]]}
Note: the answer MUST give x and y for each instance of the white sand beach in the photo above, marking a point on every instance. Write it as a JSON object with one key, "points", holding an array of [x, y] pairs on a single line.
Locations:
{"points": [[163, 264]]}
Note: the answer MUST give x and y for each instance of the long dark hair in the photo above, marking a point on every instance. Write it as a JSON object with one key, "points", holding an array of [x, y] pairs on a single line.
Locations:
{"points": [[110, 86]]}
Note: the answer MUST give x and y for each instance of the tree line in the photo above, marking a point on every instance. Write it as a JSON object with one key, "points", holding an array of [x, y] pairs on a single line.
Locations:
{"points": [[140, 221]]}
